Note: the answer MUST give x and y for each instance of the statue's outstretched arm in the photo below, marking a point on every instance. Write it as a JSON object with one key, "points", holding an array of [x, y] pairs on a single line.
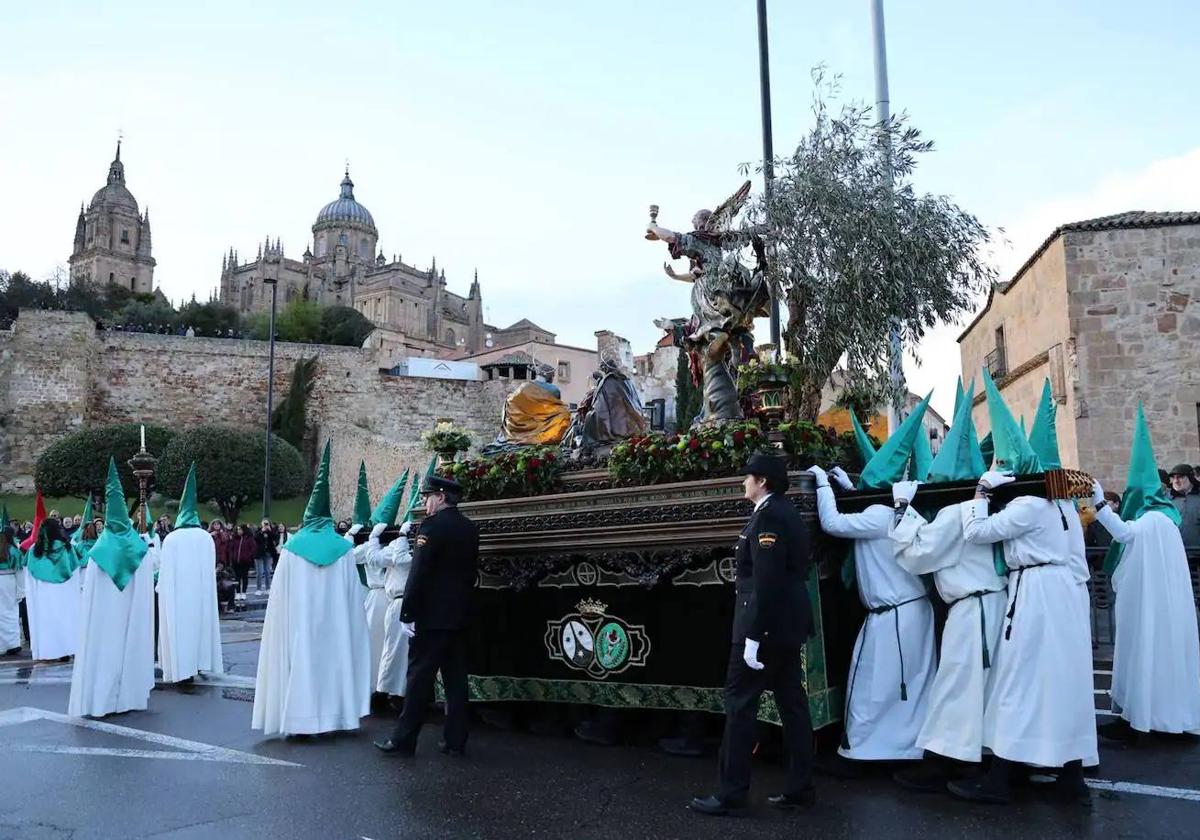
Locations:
{"points": [[661, 233], [688, 276]]}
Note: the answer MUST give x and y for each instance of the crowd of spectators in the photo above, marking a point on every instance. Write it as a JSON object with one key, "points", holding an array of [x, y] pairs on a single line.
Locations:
{"points": [[166, 329]]}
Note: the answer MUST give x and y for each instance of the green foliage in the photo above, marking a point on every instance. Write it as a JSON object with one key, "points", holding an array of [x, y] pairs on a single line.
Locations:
{"points": [[229, 466], [854, 253], [446, 437], [688, 396], [77, 464], [300, 321], [288, 419], [344, 326], [755, 374], [18, 291], [534, 471], [707, 451], [807, 443], [209, 319], [151, 314]]}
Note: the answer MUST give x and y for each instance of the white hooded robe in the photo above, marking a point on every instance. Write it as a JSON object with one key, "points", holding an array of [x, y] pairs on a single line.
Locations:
{"points": [[189, 632]]}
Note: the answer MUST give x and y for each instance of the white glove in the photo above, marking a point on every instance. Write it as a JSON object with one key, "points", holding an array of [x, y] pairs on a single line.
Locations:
{"points": [[1097, 494], [406, 527], [750, 656], [409, 628], [992, 479], [354, 529], [377, 530], [903, 491], [842, 478], [819, 475]]}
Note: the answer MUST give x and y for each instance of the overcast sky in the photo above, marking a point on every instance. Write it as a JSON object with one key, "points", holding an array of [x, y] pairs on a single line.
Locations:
{"points": [[527, 138]]}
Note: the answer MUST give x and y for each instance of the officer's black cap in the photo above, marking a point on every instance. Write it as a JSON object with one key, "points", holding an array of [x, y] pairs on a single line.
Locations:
{"points": [[437, 484], [767, 466]]}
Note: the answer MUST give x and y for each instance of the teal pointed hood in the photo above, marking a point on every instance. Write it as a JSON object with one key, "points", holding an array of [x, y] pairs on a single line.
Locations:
{"points": [[987, 448], [1143, 489], [866, 449], [886, 466], [362, 498], [959, 459], [1043, 437], [316, 540], [85, 518], [389, 506], [119, 550], [188, 516], [1013, 454]]}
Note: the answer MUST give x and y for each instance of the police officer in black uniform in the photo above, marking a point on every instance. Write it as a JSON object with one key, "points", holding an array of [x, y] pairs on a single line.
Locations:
{"points": [[434, 614], [772, 619]]}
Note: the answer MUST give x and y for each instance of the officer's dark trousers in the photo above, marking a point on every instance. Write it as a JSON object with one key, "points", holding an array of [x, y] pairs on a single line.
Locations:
{"points": [[431, 651], [744, 686]]}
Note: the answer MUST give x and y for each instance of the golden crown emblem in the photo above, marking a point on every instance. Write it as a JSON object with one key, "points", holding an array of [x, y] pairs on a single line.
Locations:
{"points": [[589, 606]]}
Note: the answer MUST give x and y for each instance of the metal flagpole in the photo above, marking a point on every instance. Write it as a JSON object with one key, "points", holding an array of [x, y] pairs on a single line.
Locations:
{"points": [[764, 84], [883, 107]]}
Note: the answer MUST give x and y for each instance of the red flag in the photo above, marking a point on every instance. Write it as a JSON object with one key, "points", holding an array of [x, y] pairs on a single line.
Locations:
{"points": [[39, 516]]}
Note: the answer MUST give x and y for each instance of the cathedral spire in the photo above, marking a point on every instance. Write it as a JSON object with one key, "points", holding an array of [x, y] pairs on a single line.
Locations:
{"points": [[116, 169], [347, 184]]}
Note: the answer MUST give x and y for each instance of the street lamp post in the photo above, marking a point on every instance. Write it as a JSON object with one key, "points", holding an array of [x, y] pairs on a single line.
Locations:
{"points": [[764, 84], [273, 282]]}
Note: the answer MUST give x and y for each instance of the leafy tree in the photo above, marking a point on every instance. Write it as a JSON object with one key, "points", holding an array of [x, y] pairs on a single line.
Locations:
{"points": [[288, 419], [299, 321], [77, 464], [851, 254], [229, 466], [210, 318], [17, 290], [345, 326], [147, 315], [688, 397]]}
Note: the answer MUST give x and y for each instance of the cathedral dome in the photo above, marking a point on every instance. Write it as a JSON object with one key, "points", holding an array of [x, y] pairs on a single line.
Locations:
{"points": [[114, 195], [344, 210]]}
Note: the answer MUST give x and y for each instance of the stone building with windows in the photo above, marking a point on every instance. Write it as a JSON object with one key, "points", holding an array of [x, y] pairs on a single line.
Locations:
{"points": [[1107, 310], [517, 352], [112, 239], [414, 312]]}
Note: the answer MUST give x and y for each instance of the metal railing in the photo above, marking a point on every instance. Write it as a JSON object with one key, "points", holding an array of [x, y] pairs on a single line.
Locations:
{"points": [[996, 363]]}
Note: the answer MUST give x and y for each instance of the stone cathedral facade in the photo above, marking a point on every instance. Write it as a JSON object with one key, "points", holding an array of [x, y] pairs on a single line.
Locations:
{"points": [[112, 240], [414, 312]]}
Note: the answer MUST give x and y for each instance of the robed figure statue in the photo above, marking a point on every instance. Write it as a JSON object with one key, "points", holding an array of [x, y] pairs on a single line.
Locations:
{"points": [[726, 298]]}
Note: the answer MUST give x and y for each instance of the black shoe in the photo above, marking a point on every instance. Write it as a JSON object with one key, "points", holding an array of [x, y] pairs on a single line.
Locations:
{"points": [[713, 806], [591, 734], [791, 801], [980, 790], [926, 777], [457, 752], [390, 747], [1070, 787], [684, 747], [839, 767], [1117, 730]]}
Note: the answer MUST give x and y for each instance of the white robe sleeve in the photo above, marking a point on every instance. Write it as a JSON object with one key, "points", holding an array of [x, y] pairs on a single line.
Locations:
{"points": [[923, 547], [979, 528], [854, 526], [394, 553], [1121, 530]]}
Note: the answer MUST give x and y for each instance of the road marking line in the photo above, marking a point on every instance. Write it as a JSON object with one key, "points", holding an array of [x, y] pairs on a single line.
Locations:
{"points": [[1145, 790], [194, 750]]}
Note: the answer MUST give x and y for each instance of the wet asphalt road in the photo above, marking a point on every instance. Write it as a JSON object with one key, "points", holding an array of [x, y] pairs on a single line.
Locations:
{"points": [[62, 780]]}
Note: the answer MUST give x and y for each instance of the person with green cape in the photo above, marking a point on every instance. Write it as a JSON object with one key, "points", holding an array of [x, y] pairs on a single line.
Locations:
{"points": [[370, 571], [314, 662], [396, 561], [52, 593], [189, 635], [11, 572], [893, 664], [114, 666], [1040, 710], [1156, 658], [967, 579]]}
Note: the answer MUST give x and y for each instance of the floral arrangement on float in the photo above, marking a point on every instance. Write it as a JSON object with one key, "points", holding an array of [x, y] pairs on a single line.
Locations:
{"points": [[762, 387], [806, 443], [706, 451], [531, 471], [447, 440]]}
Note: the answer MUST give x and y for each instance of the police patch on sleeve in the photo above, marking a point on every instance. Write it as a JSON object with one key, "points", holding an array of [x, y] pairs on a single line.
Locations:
{"points": [[766, 539]]}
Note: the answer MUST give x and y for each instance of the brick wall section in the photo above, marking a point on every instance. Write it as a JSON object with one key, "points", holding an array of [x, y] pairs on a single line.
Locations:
{"points": [[1136, 321], [58, 373]]}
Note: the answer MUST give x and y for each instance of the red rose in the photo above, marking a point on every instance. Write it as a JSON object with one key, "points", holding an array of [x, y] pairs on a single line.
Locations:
{"points": [[693, 444], [704, 455], [738, 438], [550, 457], [534, 463]]}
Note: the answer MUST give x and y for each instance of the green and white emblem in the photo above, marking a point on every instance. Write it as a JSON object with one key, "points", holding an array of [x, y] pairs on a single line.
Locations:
{"points": [[589, 640]]}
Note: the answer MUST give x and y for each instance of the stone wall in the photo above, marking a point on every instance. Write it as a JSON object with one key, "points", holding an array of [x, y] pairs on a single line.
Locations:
{"points": [[1136, 321], [58, 373]]}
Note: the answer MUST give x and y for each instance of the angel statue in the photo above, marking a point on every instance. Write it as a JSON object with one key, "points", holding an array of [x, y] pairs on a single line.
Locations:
{"points": [[726, 298]]}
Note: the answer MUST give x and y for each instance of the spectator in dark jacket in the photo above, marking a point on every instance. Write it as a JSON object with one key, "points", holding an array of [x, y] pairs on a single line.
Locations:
{"points": [[268, 553], [1186, 496], [243, 548]]}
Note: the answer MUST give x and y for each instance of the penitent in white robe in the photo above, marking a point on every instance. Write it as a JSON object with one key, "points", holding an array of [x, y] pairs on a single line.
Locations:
{"points": [[314, 661], [1041, 708], [10, 622], [1156, 660], [396, 561], [189, 631], [53, 610], [965, 576], [114, 663], [375, 602], [893, 665]]}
